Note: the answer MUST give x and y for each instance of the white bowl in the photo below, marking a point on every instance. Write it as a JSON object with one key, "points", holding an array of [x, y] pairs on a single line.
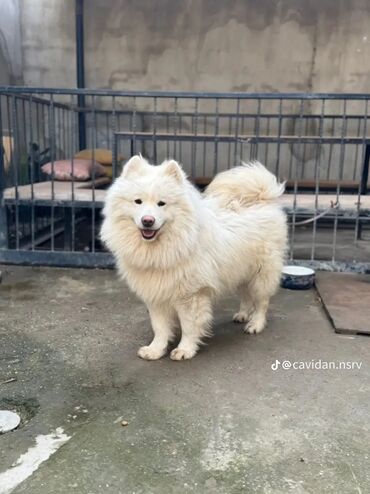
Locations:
{"points": [[297, 277]]}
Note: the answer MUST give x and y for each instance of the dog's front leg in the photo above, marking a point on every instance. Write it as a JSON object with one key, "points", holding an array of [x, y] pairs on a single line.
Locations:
{"points": [[195, 318], [162, 319]]}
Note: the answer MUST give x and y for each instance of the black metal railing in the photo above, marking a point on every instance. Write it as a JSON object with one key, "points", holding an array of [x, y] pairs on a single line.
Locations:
{"points": [[318, 143]]}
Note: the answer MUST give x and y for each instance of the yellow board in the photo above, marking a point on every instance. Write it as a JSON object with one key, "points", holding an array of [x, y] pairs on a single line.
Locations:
{"points": [[108, 171], [104, 156]]}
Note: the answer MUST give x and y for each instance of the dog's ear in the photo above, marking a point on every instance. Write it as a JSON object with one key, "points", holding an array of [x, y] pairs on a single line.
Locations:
{"points": [[134, 166], [174, 170]]}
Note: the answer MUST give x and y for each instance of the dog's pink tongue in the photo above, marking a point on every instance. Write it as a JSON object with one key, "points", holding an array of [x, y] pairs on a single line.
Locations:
{"points": [[148, 233]]}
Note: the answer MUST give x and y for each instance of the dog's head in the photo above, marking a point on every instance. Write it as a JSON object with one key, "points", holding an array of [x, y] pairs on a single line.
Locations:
{"points": [[151, 196], [149, 205]]}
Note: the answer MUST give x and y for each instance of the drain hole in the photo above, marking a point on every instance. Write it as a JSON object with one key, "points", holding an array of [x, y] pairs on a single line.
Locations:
{"points": [[16, 412]]}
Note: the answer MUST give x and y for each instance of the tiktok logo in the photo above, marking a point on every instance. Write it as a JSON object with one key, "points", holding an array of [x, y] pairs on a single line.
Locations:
{"points": [[275, 365]]}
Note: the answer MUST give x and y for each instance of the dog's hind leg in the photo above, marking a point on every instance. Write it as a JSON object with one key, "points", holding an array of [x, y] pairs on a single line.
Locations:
{"points": [[246, 305], [195, 318], [261, 290], [257, 320], [163, 322]]}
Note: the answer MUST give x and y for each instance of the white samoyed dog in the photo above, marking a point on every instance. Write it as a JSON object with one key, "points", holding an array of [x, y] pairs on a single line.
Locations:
{"points": [[179, 250]]}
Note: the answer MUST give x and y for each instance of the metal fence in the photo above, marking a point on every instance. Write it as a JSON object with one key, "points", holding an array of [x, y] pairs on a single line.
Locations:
{"points": [[318, 143]]}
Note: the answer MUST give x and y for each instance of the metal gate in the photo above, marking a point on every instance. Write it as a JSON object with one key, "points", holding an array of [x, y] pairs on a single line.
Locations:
{"points": [[318, 143]]}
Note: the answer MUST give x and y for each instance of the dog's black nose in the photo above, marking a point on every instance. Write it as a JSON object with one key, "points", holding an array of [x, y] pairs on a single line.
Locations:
{"points": [[147, 221]]}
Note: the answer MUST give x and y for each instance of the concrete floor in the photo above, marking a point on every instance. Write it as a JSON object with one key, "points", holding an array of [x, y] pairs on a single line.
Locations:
{"points": [[224, 422]]}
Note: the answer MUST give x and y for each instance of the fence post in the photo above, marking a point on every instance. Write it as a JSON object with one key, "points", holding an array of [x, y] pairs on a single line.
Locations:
{"points": [[80, 68], [365, 170], [3, 216]]}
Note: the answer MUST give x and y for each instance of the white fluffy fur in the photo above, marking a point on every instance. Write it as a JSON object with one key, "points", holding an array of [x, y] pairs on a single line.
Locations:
{"points": [[231, 238]]}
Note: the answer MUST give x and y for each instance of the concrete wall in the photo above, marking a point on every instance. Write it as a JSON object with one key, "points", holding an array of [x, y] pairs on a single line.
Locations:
{"points": [[10, 43], [212, 45], [48, 42]]}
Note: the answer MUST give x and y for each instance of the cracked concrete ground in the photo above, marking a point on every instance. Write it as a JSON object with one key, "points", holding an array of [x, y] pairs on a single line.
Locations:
{"points": [[224, 422]]}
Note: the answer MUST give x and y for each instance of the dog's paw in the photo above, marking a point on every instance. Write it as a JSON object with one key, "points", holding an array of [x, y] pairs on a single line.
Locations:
{"points": [[182, 354], [150, 353], [241, 316], [254, 327]]}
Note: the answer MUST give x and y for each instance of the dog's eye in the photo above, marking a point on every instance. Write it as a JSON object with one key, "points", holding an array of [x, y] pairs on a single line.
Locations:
{"points": [[138, 201], [161, 203]]}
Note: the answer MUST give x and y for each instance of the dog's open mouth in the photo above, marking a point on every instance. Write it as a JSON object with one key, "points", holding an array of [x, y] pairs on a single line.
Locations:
{"points": [[148, 234]]}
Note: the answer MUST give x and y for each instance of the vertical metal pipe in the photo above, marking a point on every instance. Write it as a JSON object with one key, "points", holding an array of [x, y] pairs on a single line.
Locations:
{"points": [[217, 115], [32, 172], [294, 212], [80, 66], [237, 131], [134, 127], [71, 215], [175, 127], [204, 146], [52, 132], [3, 213], [280, 125], [365, 169], [93, 145], [155, 117], [317, 177], [362, 189], [15, 163], [194, 171]]}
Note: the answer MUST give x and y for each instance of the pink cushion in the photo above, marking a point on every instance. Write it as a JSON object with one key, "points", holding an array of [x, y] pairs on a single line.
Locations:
{"points": [[81, 169]]}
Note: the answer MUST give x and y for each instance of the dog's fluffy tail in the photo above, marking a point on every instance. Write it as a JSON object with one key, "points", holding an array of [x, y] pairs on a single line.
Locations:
{"points": [[244, 185]]}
